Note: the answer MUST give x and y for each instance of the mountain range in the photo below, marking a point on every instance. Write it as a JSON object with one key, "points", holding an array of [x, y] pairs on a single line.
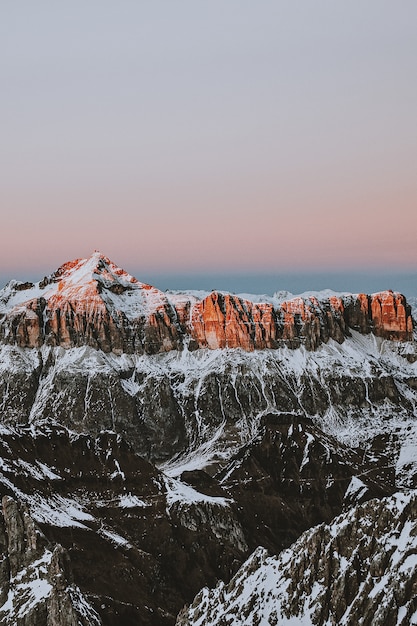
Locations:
{"points": [[205, 457]]}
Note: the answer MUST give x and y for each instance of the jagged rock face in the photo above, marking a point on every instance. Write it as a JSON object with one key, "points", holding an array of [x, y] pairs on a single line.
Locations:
{"points": [[222, 320], [391, 318], [293, 476], [360, 569], [36, 582], [175, 403], [93, 302], [89, 302], [143, 543]]}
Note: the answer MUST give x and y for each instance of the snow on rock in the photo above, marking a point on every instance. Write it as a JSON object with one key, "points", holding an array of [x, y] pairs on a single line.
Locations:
{"points": [[360, 569], [200, 405], [356, 489], [176, 491], [58, 511], [36, 584], [129, 501], [195, 511]]}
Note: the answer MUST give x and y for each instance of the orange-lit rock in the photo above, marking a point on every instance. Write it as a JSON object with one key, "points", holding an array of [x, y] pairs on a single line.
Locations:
{"points": [[226, 321], [390, 317], [93, 302]]}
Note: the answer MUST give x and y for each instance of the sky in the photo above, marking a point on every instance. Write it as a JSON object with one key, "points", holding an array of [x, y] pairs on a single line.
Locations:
{"points": [[222, 138]]}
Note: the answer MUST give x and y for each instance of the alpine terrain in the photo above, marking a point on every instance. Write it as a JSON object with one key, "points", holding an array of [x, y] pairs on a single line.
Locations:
{"points": [[204, 458]]}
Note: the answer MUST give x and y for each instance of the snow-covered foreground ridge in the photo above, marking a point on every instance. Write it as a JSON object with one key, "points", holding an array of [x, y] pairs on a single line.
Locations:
{"points": [[360, 569], [94, 302]]}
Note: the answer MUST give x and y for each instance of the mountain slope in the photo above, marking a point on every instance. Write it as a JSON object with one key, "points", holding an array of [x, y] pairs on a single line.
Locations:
{"points": [[36, 581], [133, 534], [293, 476]]}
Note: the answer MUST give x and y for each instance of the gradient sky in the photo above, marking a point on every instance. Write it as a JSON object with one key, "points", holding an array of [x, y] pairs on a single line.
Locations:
{"points": [[215, 137]]}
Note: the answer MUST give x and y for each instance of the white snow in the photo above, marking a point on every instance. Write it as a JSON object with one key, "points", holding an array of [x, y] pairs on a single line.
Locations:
{"points": [[176, 491], [118, 471], [115, 538], [129, 501], [27, 589], [58, 511], [356, 489], [48, 472]]}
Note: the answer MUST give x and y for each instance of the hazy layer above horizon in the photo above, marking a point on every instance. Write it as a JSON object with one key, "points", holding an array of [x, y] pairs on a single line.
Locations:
{"points": [[268, 283]]}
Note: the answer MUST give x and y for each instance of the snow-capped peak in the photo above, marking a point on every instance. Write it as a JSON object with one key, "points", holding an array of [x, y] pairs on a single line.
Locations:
{"points": [[93, 281], [96, 267]]}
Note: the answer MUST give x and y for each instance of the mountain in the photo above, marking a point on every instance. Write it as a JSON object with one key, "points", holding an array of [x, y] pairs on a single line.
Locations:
{"points": [[93, 348], [133, 535], [93, 302], [156, 439]]}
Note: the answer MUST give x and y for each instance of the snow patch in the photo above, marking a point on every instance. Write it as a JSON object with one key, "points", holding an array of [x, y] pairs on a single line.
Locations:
{"points": [[129, 501], [176, 491]]}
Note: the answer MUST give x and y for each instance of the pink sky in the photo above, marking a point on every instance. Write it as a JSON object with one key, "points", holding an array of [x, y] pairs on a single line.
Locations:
{"points": [[210, 138]]}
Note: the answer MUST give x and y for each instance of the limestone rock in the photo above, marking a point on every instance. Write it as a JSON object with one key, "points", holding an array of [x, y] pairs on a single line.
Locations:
{"points": [[390, 316], [293, 476]]}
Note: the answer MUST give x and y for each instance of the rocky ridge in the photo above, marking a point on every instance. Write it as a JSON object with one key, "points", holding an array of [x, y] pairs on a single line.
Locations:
{"points": [[93, 302], [360, 569], [140, 543], [292, 476], [205, 403]]}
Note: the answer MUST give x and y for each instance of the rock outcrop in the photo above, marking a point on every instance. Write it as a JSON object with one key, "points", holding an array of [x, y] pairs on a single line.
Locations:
{"points": [[93, 302], [360, 569], [36, 582]]}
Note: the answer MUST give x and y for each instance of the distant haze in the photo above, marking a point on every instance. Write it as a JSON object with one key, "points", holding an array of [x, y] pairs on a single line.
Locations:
{"points": [[214, 138], [294, 283], [269, 284]]}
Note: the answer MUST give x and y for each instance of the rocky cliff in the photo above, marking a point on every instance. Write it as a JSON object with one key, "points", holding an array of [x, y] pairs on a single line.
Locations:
{"points": [[141, 543], [210, 401], [93, 302], [292, 476]]}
